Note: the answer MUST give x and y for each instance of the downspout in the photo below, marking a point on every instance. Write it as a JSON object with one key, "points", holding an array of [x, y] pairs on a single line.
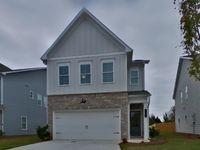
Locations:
{"points": [[2, 102]]}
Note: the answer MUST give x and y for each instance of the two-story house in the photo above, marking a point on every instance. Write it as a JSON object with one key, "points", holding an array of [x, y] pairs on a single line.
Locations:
{"points": [[23, 100], [95, 90], [187, 99]]}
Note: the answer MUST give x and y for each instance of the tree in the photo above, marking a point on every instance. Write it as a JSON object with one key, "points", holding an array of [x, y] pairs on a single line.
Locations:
{"points": [[153, 119], [190, 25], [170, 115], [166, 118]]}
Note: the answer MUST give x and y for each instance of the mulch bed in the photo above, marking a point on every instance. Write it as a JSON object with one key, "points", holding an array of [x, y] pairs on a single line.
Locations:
{"points": [[152, 142], [190, 136]]}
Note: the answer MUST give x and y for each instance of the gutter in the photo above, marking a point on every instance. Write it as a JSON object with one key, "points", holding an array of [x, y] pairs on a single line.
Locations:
{"points": [[1, 103]]}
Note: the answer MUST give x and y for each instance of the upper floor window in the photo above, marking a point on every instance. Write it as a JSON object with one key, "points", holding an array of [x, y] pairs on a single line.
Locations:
{"points": [[24, 122], [107, 71], [181, 96], [45, 101], [186, 92], [85, 73], [134, 76], [39, 99], [64, 74]]}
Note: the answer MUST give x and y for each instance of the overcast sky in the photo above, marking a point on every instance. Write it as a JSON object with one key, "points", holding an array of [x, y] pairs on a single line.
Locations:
{"points": [[150, 27]]}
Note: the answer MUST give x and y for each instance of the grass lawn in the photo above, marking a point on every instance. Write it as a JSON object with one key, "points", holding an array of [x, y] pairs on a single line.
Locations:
{"points": [[174, 141], [15, 141]]}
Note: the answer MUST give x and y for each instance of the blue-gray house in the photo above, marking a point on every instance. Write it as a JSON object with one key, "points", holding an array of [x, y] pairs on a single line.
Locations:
{"points": [[23, 102]]}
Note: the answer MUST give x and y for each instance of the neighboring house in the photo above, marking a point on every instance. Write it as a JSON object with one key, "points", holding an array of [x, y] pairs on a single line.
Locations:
{"points": [[23, 101], [95, 90], [4, 68], [187, 99]]}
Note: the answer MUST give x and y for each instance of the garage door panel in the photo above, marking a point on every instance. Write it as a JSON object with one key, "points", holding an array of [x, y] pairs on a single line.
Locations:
{"points": [[87, 125]]}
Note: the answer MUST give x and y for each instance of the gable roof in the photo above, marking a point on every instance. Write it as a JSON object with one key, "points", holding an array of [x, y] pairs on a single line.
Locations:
{"points": [[84, 11], [23, 70], [4, 68], [181, 59]]}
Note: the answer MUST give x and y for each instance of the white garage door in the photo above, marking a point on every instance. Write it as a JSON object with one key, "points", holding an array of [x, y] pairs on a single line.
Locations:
{"points": [[87, 125]]}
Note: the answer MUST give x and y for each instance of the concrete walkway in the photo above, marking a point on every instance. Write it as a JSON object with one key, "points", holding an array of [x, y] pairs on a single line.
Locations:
{"points": [[71, 145]]}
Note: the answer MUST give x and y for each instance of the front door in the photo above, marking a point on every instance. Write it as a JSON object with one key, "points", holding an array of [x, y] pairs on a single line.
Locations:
{"points": [[135, 123]]}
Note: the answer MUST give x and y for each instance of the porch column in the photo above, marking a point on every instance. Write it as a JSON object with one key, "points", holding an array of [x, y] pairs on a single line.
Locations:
{"points": [[146, 122]]}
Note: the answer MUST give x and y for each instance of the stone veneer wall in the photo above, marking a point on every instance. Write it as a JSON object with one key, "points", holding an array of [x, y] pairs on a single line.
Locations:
{"points": [[93, 101]]}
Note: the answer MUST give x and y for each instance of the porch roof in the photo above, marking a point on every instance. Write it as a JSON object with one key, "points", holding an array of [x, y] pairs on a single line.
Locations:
{"points": [[146, 93]]}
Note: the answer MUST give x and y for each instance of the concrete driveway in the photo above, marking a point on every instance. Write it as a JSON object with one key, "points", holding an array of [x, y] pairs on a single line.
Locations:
{"points": [[72, 145]]}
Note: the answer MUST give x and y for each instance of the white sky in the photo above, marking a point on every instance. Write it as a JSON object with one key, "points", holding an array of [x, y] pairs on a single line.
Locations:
{"points": [[150, 27]]}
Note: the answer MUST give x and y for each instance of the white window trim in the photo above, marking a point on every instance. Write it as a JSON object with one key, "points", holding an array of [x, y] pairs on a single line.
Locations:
{"points": [[181, 96], [45, 101], [107, 61], [186, 92], [85, 63], [40, 100], [60, 65], [26, 123], [134, 69]]}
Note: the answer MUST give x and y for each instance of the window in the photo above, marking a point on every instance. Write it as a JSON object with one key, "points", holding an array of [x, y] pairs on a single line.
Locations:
{"points": [[185, 118], [45, 102], [134, 77], [24, 122], [179, 122], [63, 74], [39, 99], [85, 73], [181, 95], [31, 94], [186, 92], [107, 71]]}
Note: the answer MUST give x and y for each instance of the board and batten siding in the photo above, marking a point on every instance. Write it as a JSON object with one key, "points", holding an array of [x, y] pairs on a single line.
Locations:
{"points": [[85, 38], [96, 86]]}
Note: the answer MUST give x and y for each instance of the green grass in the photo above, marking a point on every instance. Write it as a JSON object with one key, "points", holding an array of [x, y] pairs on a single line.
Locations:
{"points": [[173, 142], [15, 141]]}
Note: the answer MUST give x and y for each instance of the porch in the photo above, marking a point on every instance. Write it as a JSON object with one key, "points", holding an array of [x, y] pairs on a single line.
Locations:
{"points": [[138, 118]]}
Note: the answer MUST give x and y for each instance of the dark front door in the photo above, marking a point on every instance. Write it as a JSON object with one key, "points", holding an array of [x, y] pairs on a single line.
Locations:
{"points": [[135, 123]]}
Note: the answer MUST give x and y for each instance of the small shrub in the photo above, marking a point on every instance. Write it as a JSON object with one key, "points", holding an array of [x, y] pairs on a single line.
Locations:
{"points": [[1, 133], [43, 132], [153, 132], [124, 140]]}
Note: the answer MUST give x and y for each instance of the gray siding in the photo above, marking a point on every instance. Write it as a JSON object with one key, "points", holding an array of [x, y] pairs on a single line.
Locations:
{"points": [[86, 41], [188, 107], [140, 85], [0, 89], [0, 119], [18, 103], [85, 38], [120, 76]]}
